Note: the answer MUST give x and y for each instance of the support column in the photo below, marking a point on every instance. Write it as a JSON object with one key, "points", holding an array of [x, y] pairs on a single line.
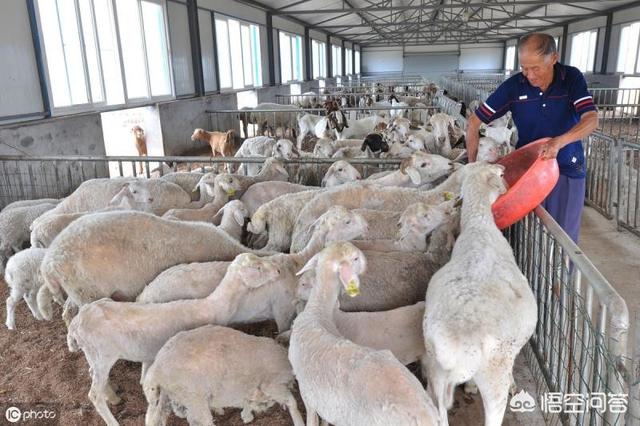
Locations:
{"points": [[329, 67], [37, 48], [343, 56], [270, 50], [196, 49], [307, 55], [216, 67], [607, 43]]}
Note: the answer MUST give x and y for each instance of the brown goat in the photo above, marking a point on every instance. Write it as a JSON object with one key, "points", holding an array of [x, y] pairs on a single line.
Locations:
{"points": [[221, 143], [141, 143]]}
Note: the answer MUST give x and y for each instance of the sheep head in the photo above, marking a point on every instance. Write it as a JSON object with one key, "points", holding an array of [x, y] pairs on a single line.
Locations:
{"points": [[253, 271], [138, 132], [423, 168], [236, 209], [340, 172], [485, 181], [343, 259], [286, 149], [227, 182], [339, 223]]}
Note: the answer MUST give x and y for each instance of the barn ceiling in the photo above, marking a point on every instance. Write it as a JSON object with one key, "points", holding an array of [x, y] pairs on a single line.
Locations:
{"points": [[407, 22]]}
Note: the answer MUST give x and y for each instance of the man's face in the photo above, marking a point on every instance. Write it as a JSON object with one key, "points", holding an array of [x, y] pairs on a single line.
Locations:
{"points": [[538, 69]]}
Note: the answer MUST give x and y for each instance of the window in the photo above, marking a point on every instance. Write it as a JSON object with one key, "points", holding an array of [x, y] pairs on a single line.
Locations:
{"points": [[510, 59], [629, 49], [583, 50], [238, 54], [84, 52], [336, 60], [348, 61], [319, 58], [290, 57], [357, 71]]}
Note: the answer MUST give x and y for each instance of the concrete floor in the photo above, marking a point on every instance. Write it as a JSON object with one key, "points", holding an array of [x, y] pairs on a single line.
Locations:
{"points": [[616, 254]]}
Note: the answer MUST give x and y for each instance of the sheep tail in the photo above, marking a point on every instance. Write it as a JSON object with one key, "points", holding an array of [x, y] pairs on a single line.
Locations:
{"points": [[51, 290], [157, 404]]}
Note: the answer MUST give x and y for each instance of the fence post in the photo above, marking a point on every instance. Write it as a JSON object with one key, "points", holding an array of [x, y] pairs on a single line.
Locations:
{"points": [[620, 155]]}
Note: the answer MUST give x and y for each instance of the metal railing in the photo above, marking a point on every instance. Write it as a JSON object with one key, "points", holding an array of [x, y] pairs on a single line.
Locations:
{"points": [[258, 120], [619, 112], [26, 178], [579, 348], [628, 187], [353, 99], [600, 152]]}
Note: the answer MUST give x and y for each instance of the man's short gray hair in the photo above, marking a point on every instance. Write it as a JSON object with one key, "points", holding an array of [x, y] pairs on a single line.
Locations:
{"points": [[541, 43]]}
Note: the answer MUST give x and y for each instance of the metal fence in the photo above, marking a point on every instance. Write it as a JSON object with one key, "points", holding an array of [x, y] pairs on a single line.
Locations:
{"points": [[619, 112], [629, 186], [222, 120], [578, 352], [600, 152], [353, 97]]}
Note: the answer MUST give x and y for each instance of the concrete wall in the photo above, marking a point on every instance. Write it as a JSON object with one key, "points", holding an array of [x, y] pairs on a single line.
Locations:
{"points": [[380, 60], [72, 135], [179, 118]]}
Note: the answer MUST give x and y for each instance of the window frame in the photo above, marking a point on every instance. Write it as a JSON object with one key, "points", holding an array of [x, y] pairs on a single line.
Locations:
{"points": [[319, 47], [241, 22], [292, 46], [90, 105], [595, 50], [336, 61], [636, 66]]}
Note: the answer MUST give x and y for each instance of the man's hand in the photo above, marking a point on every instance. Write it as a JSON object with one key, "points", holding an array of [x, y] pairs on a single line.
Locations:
{"points": [[550, 149]]}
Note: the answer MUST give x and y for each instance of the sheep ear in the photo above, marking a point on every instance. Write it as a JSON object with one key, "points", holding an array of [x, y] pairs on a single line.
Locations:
{"points": [[414, 175], [239, 217], [309, 266], [364, 146], [217, 218]]}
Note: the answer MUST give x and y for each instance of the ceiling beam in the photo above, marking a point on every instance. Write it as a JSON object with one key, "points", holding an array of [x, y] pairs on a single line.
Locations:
{"points": [[426, 8]]}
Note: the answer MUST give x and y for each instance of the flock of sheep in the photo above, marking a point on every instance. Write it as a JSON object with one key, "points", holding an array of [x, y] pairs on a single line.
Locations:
{"points": [[361, 276]]}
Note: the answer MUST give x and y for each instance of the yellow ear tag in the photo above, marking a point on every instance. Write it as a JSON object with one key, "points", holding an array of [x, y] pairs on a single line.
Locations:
{"points": [[448, 195], [231, 192], [352, 288]]}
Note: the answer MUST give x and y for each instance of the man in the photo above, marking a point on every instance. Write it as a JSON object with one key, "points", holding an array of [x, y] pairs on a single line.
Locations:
{"points": [[547, 99]]}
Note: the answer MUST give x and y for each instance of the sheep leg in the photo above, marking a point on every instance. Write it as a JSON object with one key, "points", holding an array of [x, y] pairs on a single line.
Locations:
{"points": [[246, 415], [292, 405], [11, 312], [70, 310], [100, 390], [198, 413], [312, 416], [441, 390], [30, 299], [494, 383], [470, 387], [143, 371]]}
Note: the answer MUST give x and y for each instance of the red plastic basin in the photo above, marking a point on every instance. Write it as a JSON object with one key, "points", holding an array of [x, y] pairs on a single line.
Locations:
{"points": [[530, 180]]}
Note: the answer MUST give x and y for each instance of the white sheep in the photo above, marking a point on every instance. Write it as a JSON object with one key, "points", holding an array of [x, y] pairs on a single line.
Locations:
{"points": [[490, 150], [198, 280], [277, 217], [107, 331], [369, 196], [263, 192], [417, 170], [115, 254], [46, 227], [282, 117], [96, 194], [14, 228], [339, 173], [259, 146], [441, 124], [212, 368], [224, 186], [23, 278], [306, 125], [416, 224], [28, 203], [272, 170], [231, 218], [360, 128], [342, 382], [466, 336], [188, 181]]}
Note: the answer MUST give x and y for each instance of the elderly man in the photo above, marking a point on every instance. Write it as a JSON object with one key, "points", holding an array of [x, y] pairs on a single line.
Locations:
{"points": [[547, 99]]}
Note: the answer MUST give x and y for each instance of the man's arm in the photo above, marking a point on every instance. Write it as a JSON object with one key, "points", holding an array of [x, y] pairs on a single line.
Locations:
{"points": [[472, 138], [587, 124]]}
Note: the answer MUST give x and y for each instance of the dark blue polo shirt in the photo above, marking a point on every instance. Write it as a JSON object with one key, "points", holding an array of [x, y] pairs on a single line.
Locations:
{"points": [[549, 114]]}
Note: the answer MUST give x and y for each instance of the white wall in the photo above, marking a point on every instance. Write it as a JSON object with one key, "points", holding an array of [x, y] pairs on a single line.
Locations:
{"points": [[235, 10], [481, 58], [19, 83], [376, 60]]}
